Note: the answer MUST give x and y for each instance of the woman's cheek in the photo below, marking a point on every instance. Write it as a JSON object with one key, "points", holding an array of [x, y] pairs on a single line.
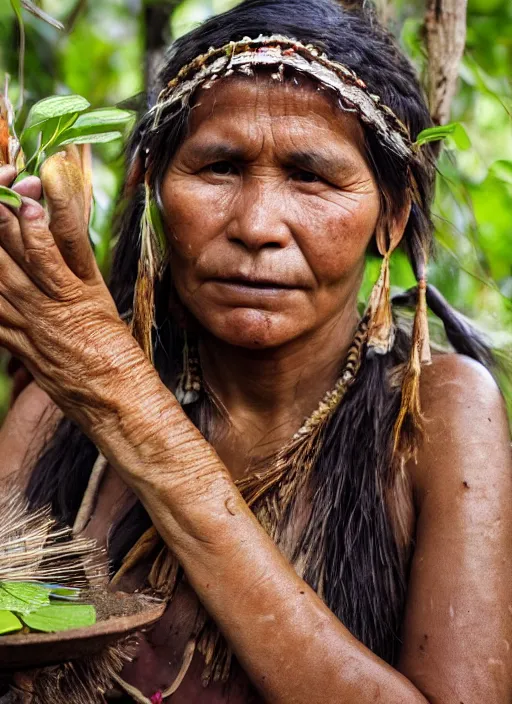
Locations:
{"points": [[196, 214], [334, 239]]}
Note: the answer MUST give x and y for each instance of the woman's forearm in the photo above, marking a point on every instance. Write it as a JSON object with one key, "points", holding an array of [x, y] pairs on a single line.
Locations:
{"points": [[291, 646]]}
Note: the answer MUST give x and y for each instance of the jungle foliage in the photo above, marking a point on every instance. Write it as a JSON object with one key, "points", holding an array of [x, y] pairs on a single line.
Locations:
{"points": [[104, 55]]}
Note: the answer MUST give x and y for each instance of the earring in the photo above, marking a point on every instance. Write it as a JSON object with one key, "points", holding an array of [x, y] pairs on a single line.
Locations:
{"points": [[410, 418], [189, 382], [153, 253], [381, 329]]}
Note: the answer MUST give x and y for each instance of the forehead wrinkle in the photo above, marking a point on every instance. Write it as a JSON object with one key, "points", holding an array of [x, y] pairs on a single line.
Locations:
{"points": [[245, 123]]}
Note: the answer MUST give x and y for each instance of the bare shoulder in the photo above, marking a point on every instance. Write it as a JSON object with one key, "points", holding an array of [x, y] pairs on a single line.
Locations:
{"points": [[457, 628], [464, 413], [457, 378], [24, 432]]}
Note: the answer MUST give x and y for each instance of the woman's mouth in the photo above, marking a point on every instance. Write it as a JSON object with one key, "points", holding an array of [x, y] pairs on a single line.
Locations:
{"points": [[239, 289]]}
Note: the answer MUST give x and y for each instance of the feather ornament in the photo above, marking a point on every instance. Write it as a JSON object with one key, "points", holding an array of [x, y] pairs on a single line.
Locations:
{"points": [[410, 418], [152, 261]]}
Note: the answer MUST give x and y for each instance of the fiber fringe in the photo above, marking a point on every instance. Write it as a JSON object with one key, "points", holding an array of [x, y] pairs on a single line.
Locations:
{"points": [[33, 547], [83, 681]]}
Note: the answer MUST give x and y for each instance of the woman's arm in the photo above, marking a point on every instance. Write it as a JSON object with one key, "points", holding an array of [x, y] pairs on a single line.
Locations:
{"points": [[458, 625], [56, 314]]}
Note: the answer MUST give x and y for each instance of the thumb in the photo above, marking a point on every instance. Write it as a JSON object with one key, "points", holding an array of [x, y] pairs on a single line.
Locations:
{"points": [[65, 194]]}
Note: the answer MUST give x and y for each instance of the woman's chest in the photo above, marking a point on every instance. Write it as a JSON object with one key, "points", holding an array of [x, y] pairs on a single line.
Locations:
{"points": [[166, 662]]}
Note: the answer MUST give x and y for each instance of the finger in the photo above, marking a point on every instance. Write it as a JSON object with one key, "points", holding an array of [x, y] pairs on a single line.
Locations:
{"points": [[14, 341], [10, 235], [30, 187], [10, 317], [7, 175], [64, 192], [15, 286], [43, 262]]}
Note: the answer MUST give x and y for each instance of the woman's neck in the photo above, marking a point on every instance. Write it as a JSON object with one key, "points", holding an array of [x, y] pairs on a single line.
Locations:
{"points": [[267, 394]]}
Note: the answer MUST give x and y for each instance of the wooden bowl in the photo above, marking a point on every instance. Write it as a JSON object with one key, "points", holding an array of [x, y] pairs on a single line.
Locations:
{"points": [[31, 650]]}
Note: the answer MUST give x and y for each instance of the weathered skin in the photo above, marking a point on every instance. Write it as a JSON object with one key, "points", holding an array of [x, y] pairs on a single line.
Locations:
{"points": [[269, 356]]}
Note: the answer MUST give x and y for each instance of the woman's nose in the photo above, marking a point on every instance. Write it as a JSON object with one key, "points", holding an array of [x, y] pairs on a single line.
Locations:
{"points": [[259, 218]]}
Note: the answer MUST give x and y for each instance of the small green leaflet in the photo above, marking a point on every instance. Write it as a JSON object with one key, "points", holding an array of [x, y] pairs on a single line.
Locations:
{"points": [[157, 224], [454, 130], [9, 623], [58, 592], [60, 617], [102, 138], [23, 597], [10, 197], [98, 122], [56, 106]]}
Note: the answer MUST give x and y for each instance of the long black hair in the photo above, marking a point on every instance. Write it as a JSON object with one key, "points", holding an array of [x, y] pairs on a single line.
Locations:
{"points": [[353, 523]]}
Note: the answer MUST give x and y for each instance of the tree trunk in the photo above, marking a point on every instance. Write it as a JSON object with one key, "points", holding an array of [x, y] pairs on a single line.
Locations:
{"points": [[445, 29], [157, 36]]}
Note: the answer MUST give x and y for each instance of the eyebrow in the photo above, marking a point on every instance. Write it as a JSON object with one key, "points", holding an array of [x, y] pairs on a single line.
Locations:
{"points": [[318, 162], [310, 160]]}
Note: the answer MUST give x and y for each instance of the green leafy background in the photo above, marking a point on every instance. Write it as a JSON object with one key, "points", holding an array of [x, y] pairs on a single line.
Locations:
{"points": [[101, 57]]}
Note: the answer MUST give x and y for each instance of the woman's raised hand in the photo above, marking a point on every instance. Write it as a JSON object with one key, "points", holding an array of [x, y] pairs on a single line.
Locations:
{"points": [[56, 313]]}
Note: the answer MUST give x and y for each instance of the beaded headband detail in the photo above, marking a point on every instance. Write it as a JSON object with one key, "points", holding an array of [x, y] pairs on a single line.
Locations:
{"points": [[281, 52]]}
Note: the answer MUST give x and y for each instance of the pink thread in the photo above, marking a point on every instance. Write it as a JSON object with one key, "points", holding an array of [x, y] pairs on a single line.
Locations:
{"points": [[157, 698]]}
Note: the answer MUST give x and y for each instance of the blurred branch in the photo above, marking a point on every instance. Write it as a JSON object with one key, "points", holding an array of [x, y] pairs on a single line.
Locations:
{"points": [[445, 28], [75, 14], [156, 18]]}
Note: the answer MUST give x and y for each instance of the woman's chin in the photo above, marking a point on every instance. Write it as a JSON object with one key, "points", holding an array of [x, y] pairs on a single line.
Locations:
{"points": [[254, 329]]}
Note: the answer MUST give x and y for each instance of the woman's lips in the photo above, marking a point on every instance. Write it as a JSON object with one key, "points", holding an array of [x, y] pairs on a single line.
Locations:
{"points": [[240, 289]]}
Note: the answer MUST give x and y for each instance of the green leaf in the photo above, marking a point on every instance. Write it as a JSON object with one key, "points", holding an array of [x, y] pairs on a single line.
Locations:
{"points": [[101, 138], [435, 134], [68, 592], [454, 130], [99, 122], [56, 106], [461, 137], [10, 197], [9, 623], [60, 617], [22, 597], [502, 169], [157, 224]]}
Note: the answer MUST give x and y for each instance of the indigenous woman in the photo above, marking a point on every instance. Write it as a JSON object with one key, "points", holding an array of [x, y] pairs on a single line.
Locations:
{"points": [[324, 504]]}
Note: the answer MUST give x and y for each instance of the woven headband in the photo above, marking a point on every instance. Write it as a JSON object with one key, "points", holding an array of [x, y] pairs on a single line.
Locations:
{"points": [[280, 52]]}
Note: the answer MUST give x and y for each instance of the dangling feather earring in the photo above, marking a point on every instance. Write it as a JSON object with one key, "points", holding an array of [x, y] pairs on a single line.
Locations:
{"points": [[381, 328], [153, 252], [189, 383], [409, 417]]}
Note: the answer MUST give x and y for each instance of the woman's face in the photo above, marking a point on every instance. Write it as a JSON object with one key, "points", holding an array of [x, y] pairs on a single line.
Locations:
{"points": [[270, 205]]}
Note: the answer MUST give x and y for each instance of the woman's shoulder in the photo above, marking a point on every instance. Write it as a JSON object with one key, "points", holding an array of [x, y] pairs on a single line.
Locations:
{"points": [[25, 430], [459, 582], [465, 423]]}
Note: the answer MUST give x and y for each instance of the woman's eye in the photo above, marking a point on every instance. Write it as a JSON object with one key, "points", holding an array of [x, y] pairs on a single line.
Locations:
{"points": [[221, 168], [306, 177]]}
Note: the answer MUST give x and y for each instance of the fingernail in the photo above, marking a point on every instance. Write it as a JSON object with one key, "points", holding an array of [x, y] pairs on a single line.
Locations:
{"points": [[7, 169], [31, 210]]}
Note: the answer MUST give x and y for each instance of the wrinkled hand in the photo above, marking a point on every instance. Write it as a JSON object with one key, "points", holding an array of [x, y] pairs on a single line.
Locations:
{"points": [[56, 313]]}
